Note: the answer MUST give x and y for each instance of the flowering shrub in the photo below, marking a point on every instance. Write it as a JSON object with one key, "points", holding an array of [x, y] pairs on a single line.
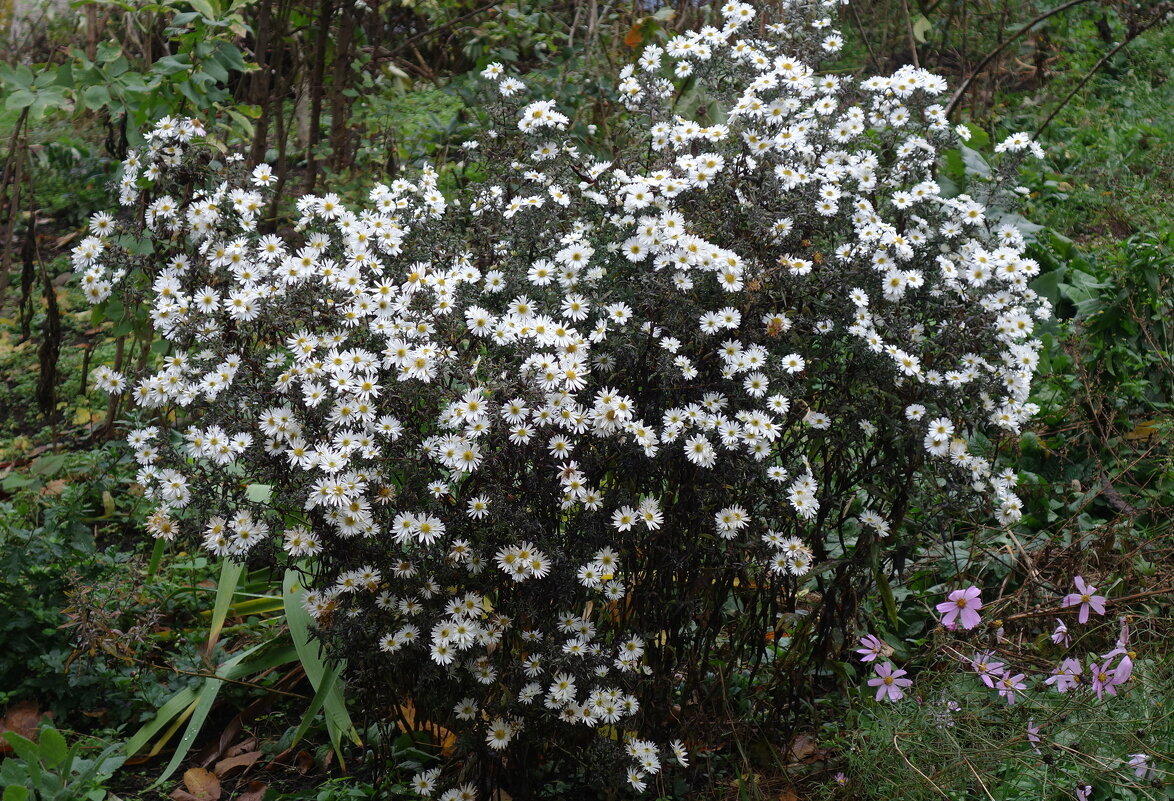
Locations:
{"points": [[543, 447]]}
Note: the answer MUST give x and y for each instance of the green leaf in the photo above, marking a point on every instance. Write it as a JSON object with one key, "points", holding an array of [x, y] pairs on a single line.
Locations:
{"points": [[15, 481], [48, 465], [172, 65], [16, 792], [921, 26], [338, 720], [168, 712], [20, 76], [230, 573], [259, 493], [216, 70], [21, 98], [25, 748], [245, 124], [205, 7], [324, 689], [64, 76], [974, 162], [186, 89], [96, 97], [107, 52], [1048, 284], [230, 56], [53, 748], [978, 137], [205, 698]]}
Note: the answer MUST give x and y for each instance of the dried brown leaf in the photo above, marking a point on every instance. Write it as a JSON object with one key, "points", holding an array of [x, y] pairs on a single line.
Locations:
{"points": [[254, 791], [22, 718], [244, 746], [238, 762], [202, 783]]}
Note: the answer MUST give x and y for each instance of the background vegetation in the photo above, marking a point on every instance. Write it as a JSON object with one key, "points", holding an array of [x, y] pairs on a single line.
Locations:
{"points": [[105, 634]]}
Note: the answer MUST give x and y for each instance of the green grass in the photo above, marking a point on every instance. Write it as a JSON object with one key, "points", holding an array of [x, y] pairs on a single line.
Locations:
{"points": [[1109, 171]]}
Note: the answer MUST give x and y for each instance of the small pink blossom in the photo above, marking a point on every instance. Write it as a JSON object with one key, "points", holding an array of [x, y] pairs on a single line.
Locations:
{"points": [[873, 648], [962, 604], [1082, 793], [1124, 668], [1103, 679], [1008, 684], [1066, 676], [1033, 736], [987, 669], [1141, 765], [888, 682], [1060, 634], [1086, 596]]}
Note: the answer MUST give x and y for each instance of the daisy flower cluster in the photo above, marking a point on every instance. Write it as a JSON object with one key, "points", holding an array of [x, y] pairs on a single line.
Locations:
{"points": [[516, 421]]}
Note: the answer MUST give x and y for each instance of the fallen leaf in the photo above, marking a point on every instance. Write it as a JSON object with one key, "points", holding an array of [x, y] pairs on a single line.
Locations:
{"points": [[85, 416], [254, 791], [180, 794], [23, 718], [788, 795], [304, 762], [242, 747], [202, 783], [635, 36], [802, 747], [240, 761], [54, 487]]}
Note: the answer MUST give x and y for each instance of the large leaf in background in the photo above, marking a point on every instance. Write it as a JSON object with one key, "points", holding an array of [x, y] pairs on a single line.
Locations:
{"points": [[230, 573], [324, 678]]}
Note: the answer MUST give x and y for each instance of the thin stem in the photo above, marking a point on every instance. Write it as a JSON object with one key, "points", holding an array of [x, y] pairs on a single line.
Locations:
{"points": [[1096, 68], [991, 56]]}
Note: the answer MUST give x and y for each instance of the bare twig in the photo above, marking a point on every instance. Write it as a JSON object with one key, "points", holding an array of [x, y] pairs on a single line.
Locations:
{"points": [[991, 56], [1096, 68], [404, 45], [912, 35], [920, 773]]}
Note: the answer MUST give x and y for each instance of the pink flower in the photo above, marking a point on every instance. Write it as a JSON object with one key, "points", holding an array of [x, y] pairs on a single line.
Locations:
{"points": [[1124, 670], [1033, 735], [986, 669], [841, 779], [888, 682], [961, 603], [1086, 596], [1066, 676], [1140, 764], [1082, 793], [1060, 635], [1008, 684], [1102, 679], [873, 647]]}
